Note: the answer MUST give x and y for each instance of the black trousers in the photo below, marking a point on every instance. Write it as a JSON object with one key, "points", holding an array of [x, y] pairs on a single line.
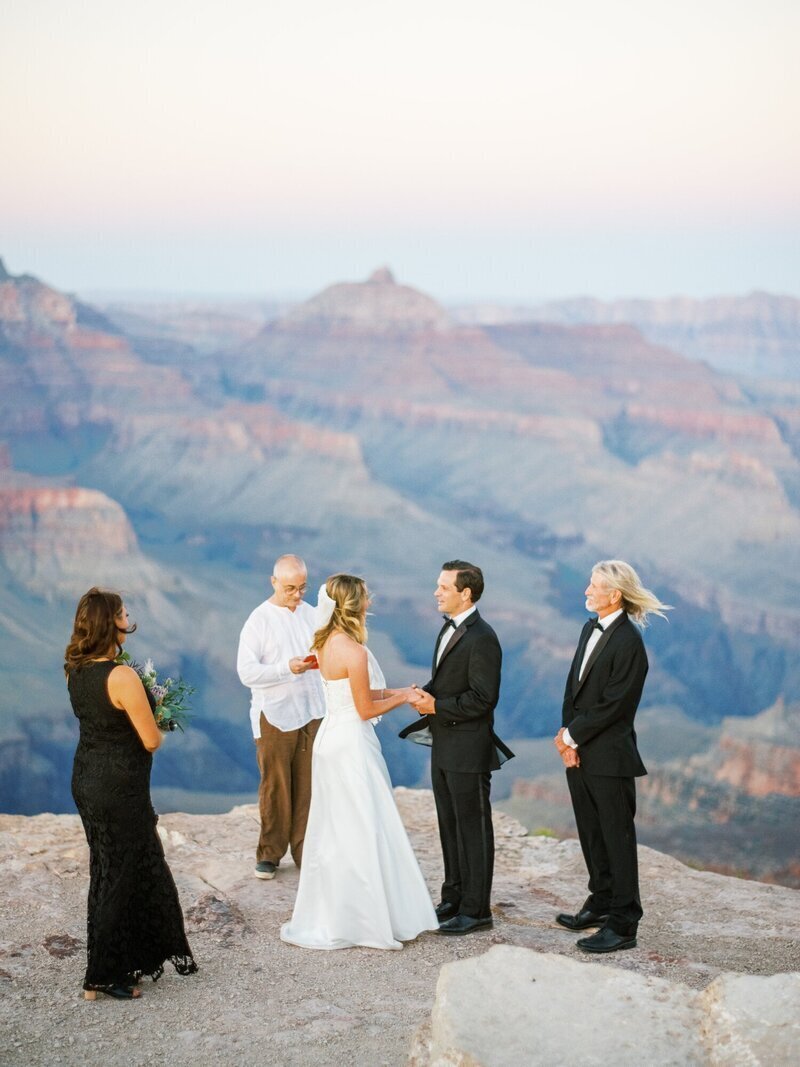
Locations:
{"points": [[467, 837], [604, 810]]}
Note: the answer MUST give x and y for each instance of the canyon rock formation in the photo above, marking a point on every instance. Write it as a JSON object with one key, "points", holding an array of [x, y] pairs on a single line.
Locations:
{"points": [[175, 452]]}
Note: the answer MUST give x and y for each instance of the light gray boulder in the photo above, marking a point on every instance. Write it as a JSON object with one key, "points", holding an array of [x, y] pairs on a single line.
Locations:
{"points": [[514, 1006], [749, 1021]]}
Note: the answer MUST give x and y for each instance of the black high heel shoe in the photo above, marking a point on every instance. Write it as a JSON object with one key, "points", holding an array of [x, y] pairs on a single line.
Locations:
{"points": [[118, 992]]}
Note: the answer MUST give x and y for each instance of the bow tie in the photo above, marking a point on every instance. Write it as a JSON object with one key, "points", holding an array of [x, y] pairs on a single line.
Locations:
{"points": [[596, 626], [450, 622]]}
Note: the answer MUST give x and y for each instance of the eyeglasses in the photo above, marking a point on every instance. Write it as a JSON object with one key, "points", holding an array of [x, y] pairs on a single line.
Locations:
{"points": [[291, 588]]}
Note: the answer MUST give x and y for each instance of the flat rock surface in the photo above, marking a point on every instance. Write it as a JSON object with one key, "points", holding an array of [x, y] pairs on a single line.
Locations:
{"points": [[512, 1006], [258, 1001]]}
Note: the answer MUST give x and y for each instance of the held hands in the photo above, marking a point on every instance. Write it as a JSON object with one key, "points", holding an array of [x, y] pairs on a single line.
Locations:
{"points": [[407, 692], [421, 701], [569, 756]]}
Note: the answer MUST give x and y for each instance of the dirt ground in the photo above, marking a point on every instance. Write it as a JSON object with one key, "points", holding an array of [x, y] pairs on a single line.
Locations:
{"points": [[257, 1001]]}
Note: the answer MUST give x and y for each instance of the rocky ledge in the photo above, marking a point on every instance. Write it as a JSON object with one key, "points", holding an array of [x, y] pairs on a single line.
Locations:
{"points": [[698, 988]]}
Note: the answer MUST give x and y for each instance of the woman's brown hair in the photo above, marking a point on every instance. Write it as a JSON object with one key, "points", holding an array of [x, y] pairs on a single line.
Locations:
{"points": [[95, 629]]}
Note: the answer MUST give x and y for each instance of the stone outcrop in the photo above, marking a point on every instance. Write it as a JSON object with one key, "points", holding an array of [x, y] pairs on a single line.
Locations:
{"points": [[256, 1001], [47, 532], [761, 756], [257, 431], [741, 796], [374, 361], [379, 306], [619, 358], [514, 1006], [709, 425], [439, 416], [60, 358], [26, 303]]}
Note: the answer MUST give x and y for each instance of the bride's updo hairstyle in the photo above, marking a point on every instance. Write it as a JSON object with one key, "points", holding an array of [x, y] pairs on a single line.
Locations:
{"points": [[95, 629], [350, 597]]}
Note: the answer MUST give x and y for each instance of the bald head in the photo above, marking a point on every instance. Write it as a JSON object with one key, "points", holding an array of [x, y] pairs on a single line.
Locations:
{"points": [[289, 577], [288, 565]]}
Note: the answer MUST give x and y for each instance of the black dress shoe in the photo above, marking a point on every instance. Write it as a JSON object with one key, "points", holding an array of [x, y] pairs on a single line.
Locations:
{"points": [[463, 924], [582, 919], [607, 940], [446, 910]]}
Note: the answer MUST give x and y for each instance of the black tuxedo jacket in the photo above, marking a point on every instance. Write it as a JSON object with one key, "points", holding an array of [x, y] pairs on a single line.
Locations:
{"points": [[599, 708], [466, 687]]}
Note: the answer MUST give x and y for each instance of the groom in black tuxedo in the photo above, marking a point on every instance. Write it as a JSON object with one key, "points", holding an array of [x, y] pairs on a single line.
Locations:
{"points": [[457, 711]]}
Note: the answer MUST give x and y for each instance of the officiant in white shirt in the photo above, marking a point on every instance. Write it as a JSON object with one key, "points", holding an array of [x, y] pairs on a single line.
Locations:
{"points": [[286, 706]]}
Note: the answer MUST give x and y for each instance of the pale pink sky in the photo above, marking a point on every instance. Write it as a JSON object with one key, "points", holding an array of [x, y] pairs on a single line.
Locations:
{"points": [[508, 148]]}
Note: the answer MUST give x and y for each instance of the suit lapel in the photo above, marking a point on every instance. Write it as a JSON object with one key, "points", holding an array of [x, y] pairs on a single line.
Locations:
{"points": [[586, 633], [459, 633], [596, 651], [436, 646]]}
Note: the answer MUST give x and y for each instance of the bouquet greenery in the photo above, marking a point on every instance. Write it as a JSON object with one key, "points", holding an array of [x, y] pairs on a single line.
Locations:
{"points": [[168, 699]]}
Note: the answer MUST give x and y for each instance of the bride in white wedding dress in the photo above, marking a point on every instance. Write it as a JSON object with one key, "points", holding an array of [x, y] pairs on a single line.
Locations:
{"points": [[360, 883]]}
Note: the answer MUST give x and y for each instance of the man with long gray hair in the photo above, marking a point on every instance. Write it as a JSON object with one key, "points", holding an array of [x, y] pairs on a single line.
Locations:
{"points": [[597, 743]]}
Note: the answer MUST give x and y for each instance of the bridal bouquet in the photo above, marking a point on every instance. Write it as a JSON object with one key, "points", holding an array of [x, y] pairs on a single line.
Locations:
{"points": [[168, 699]]}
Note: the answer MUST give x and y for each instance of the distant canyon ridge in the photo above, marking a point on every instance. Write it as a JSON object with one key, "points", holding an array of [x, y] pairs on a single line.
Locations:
{"points": [[173, 450]]}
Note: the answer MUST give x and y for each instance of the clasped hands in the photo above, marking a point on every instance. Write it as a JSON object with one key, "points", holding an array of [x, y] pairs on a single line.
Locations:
{"points": [[421, 701], [568, 755]]}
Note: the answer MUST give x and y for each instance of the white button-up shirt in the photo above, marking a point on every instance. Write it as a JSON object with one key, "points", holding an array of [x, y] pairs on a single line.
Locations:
{"points": [[269, 639]]}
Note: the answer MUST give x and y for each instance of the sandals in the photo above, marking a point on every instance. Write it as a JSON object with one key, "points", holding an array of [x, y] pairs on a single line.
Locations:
{"points": [[118, 992]]}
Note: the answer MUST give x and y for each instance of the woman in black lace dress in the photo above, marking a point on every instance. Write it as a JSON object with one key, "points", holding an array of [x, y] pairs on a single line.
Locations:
{"points": [[134, 916]]}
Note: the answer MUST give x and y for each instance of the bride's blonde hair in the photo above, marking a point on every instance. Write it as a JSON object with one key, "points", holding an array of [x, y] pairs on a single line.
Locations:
{"points": [[351, 596]]}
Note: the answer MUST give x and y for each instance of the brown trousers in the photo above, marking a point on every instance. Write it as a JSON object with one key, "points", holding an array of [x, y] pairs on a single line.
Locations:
{"points": [[284, 795]]}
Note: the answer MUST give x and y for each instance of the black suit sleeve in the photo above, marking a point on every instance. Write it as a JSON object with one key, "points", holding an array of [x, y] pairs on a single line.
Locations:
{"points": [[480, 697], [619, 698]]}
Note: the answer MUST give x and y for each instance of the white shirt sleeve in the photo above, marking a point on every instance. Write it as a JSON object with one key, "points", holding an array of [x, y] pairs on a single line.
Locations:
{"points": [[566, 737], [258, 662]]}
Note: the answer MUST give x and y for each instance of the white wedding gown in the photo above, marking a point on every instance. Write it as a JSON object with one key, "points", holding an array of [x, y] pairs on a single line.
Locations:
{"points": [[360, 883]]}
